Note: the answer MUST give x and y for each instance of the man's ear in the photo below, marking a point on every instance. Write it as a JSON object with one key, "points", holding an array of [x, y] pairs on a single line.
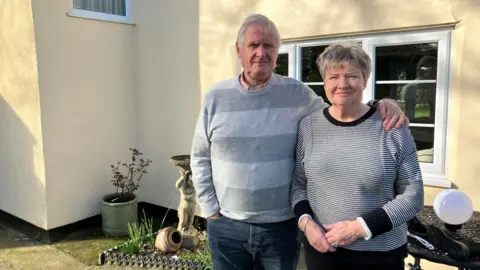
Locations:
{"points": [[237, 49]]}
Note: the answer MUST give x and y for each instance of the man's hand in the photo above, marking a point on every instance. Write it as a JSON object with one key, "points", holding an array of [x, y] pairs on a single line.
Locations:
{"points": [[315, 235], [392, 114], [344, 233], [214, 217]]}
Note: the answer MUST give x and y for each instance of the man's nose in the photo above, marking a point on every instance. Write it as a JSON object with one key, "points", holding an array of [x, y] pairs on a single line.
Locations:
{"points": [[261, 51]]}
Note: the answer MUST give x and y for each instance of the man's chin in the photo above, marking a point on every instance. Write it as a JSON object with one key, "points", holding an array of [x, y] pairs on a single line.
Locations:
{"points": [[260, 76]]}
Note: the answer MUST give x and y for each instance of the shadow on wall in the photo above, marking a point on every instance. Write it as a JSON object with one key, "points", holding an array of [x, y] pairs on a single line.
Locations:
{"points": [[22, 193]]}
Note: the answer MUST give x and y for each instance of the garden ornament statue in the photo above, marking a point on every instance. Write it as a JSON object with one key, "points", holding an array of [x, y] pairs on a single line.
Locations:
{"points": [[188, 203]]}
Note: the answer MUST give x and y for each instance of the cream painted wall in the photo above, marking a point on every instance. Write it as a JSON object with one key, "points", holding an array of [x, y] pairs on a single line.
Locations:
{"points": [[22, 187], [88, 106], [168, 88], [102, 87], [465, 135]]}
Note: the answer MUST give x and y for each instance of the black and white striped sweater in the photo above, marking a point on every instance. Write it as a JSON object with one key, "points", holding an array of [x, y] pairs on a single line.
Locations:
{"points": [[358, 169]]}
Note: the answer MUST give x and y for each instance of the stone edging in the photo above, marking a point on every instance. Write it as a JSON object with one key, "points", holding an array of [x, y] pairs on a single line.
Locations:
{"points": [[149, 259]]}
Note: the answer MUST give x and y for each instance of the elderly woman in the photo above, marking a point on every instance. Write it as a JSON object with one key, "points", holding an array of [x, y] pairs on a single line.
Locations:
{"points": [[356, 184]]}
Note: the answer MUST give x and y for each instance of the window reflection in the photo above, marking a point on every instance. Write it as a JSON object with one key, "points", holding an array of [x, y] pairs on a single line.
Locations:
{"points": [[282, 65]]}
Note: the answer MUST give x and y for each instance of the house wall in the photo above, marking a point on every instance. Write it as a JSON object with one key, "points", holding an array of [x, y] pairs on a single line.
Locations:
{"points": [[168, 90], [22, 187], [86, 71], [98, 89], [220, 21]]}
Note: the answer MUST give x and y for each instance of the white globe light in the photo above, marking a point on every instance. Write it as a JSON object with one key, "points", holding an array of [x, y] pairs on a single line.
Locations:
{"points": [[453, 207]]}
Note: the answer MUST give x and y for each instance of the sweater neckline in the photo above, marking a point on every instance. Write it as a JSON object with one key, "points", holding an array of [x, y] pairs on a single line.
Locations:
{"points": [[261, 91], [353, 123]]}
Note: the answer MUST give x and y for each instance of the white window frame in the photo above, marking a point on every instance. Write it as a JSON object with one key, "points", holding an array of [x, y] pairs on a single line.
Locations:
{"points": [[288, 49], [88, 14], [434, 174]]}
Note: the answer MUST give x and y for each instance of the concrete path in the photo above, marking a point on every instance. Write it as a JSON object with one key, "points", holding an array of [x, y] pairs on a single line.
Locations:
{"points": [[17, 251]]}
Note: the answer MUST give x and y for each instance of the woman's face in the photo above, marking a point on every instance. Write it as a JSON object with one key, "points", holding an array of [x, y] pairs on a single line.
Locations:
{"points": [[344, 85]]}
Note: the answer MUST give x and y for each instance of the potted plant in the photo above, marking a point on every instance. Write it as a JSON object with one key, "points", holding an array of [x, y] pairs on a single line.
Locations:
{"points": [[120, 208]]}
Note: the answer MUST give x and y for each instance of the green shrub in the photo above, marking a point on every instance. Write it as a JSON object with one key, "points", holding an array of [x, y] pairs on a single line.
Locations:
{"points": [[139, 234]]}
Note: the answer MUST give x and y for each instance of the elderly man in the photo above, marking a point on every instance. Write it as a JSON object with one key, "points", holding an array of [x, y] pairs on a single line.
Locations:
{"points": [[243, 155]]}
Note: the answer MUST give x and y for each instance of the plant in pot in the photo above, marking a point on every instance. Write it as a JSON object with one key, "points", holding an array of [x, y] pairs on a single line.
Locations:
{"points": [[120, 208]]}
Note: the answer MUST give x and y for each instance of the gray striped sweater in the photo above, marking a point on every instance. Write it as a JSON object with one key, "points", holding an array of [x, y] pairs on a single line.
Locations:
{"points": [[358, 169], [243, 150]]}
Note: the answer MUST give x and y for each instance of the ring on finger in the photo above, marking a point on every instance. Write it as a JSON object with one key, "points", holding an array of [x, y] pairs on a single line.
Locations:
{"points": [[334, 245]]}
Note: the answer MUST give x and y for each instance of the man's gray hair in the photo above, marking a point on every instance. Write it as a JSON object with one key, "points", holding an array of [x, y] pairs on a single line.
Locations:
{"points": [[342, 54], [259, 20]]}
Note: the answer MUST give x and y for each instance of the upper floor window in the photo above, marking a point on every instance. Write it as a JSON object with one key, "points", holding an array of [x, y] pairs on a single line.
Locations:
{"points": [[106, 10]]}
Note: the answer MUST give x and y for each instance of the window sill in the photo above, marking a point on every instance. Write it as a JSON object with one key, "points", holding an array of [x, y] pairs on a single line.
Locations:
{"points": [[435, 180], [91, 15]]}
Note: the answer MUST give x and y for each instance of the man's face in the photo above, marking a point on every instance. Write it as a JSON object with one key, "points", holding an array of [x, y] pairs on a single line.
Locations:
{"points": [[259, 52]]}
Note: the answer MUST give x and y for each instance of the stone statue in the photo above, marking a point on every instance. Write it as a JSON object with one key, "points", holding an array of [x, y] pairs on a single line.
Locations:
{"points": [[188, 202], [186, 209]]}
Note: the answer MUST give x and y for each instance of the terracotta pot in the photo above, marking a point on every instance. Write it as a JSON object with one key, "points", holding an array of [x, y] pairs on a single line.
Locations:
{"points": [[169, 239]]}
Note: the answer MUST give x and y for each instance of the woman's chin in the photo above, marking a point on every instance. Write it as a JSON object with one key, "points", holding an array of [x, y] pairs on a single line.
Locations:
{"points": [[341, 103], [347, 101]]}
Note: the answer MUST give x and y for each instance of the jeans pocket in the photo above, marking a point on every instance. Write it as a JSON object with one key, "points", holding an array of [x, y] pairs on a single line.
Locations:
{"points": [[217, 219]]}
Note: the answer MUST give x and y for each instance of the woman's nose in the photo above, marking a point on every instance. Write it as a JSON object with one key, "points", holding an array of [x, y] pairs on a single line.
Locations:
{"points": [[343, 83]]}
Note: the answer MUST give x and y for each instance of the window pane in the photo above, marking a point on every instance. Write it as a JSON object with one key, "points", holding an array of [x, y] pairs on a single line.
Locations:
{"points": [[417, 100], [282, 64], [406, 62], [319, 90], [115, 7], [418, 103], [423, 137], [309, 66]]}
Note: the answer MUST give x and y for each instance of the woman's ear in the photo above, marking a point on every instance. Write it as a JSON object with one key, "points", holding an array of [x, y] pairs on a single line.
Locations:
{"points": [[365, 79]]}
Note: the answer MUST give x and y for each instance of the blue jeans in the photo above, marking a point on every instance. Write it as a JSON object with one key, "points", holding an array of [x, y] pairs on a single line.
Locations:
{"points": [[266, 246]]}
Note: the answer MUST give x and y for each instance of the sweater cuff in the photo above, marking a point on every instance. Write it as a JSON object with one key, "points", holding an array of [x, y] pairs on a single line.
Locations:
{"points": [[378, 222], [301, 208], [365, 228], [373, 103], [210, 208]]}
